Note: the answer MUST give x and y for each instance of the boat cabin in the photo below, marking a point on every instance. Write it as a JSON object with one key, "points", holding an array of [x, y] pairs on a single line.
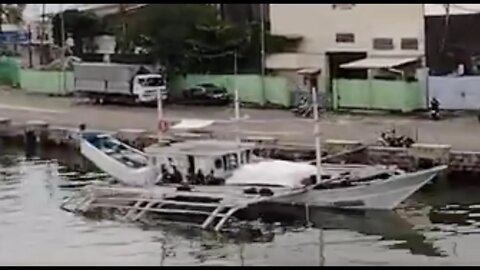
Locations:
{"points": [[197, 162]]}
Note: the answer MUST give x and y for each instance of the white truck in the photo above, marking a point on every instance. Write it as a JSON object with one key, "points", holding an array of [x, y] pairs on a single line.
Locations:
{"points": [[103, 82]]}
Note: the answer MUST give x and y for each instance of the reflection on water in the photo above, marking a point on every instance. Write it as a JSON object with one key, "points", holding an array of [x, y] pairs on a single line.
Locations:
{"points": [[435, 227]]}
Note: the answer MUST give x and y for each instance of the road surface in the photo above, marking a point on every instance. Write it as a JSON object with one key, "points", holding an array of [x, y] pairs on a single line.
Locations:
{"points": [[460, 132]]}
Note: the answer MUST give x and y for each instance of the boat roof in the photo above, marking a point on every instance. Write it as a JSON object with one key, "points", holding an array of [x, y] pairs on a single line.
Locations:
{"points": [[201, 147], [275, 173]]}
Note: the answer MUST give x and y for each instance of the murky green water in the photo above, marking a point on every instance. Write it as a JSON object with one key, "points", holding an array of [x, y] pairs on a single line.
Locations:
{"points": [[34, 231]]}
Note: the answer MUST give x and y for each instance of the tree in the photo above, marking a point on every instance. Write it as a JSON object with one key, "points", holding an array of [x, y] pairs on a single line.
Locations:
{"points": [[81, 25], [163, 30], [212, 46], [12, 13], [187, 37]]}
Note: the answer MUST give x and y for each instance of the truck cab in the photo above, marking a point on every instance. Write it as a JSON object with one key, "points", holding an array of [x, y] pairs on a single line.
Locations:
{"points": [[146, 87]]}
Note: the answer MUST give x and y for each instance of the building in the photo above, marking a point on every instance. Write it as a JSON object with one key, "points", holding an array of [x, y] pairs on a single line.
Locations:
{"points": [[450, 42], [243, 13], [453, 55], [326, 36]]}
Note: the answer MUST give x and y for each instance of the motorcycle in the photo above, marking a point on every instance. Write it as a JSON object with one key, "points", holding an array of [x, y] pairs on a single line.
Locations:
{"points": [[435, 109], [391, 139], [304, 109]]}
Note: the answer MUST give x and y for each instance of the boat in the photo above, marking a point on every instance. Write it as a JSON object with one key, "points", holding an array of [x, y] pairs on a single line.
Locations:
{"points": [[383, 192], [209, 207], [227, 163], [227, 175], [121, 161]]}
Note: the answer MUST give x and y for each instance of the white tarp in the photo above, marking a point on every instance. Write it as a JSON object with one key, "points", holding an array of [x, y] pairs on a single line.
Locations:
{"points": [[276, 172], [186, 124], [378, 62]]}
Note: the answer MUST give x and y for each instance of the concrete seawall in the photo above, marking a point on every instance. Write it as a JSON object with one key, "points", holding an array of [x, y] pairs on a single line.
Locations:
{"points": [[418, 156]]}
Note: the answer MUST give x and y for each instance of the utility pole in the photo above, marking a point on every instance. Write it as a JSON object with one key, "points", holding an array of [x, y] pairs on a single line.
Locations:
{"points": [[42, 36], [30, 59], [123, 9], [1, 17], [237, 99], [1, 23], [262, 45], [63, 49], [447, 22]]}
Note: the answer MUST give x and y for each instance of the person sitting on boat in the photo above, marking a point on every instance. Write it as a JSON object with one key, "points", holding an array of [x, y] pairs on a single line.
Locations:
{"points": [[212, 180], [200, 178], [165, 176], [177, 176]]}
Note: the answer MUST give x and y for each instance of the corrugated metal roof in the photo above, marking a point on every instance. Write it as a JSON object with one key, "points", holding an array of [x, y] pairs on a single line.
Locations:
{"points": [[378, 62]]}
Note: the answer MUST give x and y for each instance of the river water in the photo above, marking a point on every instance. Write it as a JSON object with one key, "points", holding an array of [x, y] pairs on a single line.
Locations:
{"points": [[35, 231]]}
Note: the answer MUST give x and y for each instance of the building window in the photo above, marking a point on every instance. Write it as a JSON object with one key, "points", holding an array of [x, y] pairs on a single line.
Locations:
{"points": [[345, 38], [343, 6], [409, 44], [383, 44]]}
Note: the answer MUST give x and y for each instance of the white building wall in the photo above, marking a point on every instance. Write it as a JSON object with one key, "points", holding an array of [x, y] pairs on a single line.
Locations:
{"points": [[319, 23]]}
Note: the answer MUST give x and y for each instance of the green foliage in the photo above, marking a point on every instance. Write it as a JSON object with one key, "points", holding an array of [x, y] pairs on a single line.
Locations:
{"points": [[163, 29], [12, 13], [186, 37]]}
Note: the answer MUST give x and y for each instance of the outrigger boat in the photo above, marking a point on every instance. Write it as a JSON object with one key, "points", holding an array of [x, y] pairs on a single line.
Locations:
{"points": [[224, 177], [227, 164]]}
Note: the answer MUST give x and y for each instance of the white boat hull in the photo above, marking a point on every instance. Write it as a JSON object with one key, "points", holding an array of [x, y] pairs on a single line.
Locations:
{"points": [[126, 175], [381, 195]]}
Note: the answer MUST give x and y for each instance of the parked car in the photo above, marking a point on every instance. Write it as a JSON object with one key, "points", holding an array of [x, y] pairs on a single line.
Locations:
{"points": [[206, 94]]}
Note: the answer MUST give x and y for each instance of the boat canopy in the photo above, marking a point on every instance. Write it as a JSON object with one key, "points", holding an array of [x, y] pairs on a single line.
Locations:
{"points": [[200, 148], [272, 173]]}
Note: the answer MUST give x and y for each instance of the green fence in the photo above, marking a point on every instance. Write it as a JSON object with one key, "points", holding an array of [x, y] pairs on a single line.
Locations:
{"points": [[46, 82], [9, 71], [249, 87], [377, 95]]}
